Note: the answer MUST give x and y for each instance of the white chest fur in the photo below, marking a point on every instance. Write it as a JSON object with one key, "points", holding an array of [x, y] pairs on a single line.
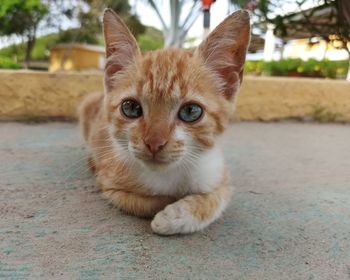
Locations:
{"points": [[202, 176]]}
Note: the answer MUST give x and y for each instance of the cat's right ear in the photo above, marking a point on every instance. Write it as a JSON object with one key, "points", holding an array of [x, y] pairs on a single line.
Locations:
{"points": [[224, 51], [121, 46]]}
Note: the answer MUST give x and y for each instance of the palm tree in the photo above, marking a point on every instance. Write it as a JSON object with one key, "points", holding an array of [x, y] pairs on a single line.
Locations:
{"points": [[176, 30]]}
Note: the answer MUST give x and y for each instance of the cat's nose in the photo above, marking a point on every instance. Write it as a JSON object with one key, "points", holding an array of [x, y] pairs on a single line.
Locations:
{"points": [[154, 145]]}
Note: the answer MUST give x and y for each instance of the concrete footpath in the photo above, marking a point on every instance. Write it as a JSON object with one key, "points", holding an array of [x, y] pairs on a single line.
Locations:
{"points": [[289, 219]]}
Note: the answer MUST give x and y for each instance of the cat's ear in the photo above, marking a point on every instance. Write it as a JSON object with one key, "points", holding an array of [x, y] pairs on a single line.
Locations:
{"points": [[224, 51], [121, 45]]}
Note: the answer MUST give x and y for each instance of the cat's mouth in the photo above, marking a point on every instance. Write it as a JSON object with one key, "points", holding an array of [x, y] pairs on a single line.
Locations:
{"points": [[157, 162]]}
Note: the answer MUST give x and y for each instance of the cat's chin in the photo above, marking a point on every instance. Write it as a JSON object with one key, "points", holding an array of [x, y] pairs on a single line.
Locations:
{"points": [[157, 165]]}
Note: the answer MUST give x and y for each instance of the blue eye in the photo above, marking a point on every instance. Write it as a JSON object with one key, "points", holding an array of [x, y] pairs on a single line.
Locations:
{"points": [[131, 109], [190, 112]]}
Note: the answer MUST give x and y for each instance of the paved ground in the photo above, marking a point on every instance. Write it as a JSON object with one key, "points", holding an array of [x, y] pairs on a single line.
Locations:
{"points": [[289, 219]]}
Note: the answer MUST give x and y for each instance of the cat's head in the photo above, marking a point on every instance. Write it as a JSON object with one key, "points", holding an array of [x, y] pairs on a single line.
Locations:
{"points": [[168, 106]]}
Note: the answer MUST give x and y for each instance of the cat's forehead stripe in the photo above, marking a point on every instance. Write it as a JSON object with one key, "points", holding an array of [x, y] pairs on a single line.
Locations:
{"points": [[163, 74]]}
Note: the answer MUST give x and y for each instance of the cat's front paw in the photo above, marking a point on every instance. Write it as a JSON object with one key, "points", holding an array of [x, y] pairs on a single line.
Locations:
{"points": [[175, 218]]}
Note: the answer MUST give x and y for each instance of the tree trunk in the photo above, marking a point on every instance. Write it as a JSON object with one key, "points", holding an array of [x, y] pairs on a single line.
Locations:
{"points": [[325, 51], [172, 38], [175, 34], [29, 49], [282, 49], [348, 76], [348, 50]]}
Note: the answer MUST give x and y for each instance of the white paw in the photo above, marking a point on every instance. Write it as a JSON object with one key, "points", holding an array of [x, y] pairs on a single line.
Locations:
{"points": [[175, 218]]}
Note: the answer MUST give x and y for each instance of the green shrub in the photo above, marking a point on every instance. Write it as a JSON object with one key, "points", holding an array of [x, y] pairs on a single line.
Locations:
{"points": [[148, 44], [152, 39], [40, 51], [254, 67], [299, 68], [43, 45], [8, 63], [323, 114]]}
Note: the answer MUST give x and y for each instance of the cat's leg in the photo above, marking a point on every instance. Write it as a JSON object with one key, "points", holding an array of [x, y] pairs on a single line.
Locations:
{"points": [[137, 204], [193, 212]]}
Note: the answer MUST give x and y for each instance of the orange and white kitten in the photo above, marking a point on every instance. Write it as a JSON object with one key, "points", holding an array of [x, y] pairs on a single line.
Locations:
{"points": [[153, 135]]}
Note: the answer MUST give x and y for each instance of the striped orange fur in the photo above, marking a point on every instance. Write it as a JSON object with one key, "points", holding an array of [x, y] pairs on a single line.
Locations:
{"points": [[158, 164]]}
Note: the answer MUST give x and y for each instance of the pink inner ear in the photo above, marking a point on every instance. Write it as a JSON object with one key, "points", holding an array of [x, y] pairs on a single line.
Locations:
{"points": [[227, 64], [110, 50], [231, 81], [112, 68], [224, 51], [225, 58], [118, 60], [121, 46]]}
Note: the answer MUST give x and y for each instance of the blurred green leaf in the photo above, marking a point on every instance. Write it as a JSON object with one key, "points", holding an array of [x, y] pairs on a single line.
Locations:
{"points": [[298, 67]]}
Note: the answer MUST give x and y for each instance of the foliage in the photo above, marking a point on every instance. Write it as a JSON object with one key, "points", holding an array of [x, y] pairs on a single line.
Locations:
{"points": [[175, 27], [90, 24], [152, 39], [8, 63], [21, 17], [324, 115], [333, 28], [135, 26], [254, 67], [43, 46], [81, 35], [299, 68], [40, 50]]}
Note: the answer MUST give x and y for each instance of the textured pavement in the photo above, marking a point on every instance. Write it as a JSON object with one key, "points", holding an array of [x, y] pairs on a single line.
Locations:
{"points": [[289, 219]]}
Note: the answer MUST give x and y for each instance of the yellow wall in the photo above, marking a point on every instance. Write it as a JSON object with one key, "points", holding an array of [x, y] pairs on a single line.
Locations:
{"points": [[26, 95], [302, 49], [74, 59], [272, 98]]}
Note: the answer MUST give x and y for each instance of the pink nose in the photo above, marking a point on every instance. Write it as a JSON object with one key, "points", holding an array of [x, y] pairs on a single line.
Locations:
{"points": [[154, 145]]}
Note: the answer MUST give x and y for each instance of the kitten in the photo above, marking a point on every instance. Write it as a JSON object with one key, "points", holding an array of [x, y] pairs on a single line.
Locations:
{"points": [[153, 135]]}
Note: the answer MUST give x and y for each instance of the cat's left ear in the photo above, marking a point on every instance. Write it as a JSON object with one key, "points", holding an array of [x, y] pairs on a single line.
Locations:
{"points": [[224, 51], [121, 46]]}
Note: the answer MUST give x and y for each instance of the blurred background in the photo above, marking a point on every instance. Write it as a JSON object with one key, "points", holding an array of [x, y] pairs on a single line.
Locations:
{"points": [[305, 38]]}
